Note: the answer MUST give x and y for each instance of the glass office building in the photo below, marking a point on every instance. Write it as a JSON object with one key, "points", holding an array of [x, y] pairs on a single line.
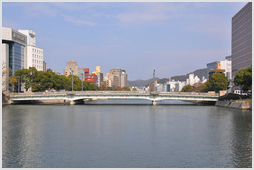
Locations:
{"points": [[13, 51], [242, 39]]}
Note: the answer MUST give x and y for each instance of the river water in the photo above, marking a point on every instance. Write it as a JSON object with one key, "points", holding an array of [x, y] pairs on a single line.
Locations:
{"points": [[169, 135]]}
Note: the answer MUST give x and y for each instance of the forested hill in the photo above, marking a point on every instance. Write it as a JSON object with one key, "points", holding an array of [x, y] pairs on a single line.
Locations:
{"points": [[200, 73], [139, 83]]}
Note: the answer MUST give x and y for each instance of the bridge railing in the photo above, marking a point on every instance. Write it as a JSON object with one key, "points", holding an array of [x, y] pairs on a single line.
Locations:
{"points": [[112, 92]]}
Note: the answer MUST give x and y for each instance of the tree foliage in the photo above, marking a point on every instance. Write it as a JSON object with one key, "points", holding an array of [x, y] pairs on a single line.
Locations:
{"points": [[41, 81], [243, 78], [216, 83], [186, 88]]}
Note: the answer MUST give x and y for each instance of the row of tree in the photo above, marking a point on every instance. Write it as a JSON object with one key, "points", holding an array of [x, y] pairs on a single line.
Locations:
{"points": [[217, 82], [41, 81]]}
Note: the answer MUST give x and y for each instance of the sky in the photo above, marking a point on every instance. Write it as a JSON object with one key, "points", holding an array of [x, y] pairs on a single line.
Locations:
{"points": [[172, 38]]}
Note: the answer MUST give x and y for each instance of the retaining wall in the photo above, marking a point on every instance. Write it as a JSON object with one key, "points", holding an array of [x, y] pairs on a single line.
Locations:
{"points": [[236, 105]]}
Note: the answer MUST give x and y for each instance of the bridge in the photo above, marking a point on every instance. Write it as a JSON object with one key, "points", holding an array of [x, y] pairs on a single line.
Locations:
{"points": [[80, 96]]}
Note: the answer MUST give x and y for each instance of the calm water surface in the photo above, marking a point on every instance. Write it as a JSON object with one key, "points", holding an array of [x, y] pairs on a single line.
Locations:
{"points": [[125, 136]]}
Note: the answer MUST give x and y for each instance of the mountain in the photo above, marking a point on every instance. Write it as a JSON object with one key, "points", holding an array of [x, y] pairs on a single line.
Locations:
{"points": [[139, 83], [200, 73]]}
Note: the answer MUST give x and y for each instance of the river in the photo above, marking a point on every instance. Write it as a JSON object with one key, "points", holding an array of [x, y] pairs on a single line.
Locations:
{"points": [[107, 135]]}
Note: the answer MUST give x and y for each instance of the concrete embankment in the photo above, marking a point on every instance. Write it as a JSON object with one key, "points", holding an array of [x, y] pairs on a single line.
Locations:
{"points": [[236, 104]]}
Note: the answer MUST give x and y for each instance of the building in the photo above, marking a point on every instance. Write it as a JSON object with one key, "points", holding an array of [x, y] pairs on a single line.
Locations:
{"points": [[99, 75], [80, 74], [34, 54], [217, 70], [123, 79], [13, 54], [91, 78], [174, 86], [44, 66], [224, 64], [116, 78], [191, 79], [86, 72], [71, 66], [242, 39]]}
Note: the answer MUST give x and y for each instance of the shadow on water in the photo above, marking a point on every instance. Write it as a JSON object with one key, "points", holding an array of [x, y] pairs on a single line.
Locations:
{"points": [[129, 102]]}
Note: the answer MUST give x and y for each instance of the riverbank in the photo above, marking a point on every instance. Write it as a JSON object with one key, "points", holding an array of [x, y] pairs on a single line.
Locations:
{"points": [[238, 104]]}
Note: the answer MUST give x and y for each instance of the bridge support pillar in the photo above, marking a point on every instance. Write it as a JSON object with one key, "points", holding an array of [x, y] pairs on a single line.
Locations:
{"points": [[72, 102], [154, 103]]}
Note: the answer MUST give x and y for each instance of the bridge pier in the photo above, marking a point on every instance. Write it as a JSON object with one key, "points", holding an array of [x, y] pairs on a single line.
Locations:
{"points": [[154, 103]]}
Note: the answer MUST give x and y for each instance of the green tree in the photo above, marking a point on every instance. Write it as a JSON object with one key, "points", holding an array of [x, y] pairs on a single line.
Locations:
{"points": [[126, 88], [27, 76], [110, 88], [134, 89], [216, 83], [13, 81], [77, 86], [186, 88], [103, 87], [243, 78]]}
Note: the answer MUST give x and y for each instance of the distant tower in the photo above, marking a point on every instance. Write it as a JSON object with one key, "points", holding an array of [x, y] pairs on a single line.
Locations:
{"points": [[153, 80]]}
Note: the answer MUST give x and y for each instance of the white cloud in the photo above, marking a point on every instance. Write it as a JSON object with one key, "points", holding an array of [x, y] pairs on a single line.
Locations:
{"points": [[78, 21], [38, 9]]}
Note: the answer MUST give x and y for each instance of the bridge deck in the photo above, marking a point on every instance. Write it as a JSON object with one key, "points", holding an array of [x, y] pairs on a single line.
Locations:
{"points": [[81, 95]]}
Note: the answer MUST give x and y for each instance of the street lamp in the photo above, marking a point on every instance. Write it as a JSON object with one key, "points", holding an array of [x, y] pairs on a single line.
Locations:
{"points": [[18, 84], [82, 77], [153, 80], [72, 78]]}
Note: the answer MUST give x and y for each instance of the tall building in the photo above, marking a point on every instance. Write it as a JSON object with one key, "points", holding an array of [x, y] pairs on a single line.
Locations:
{"points": [[44, 66], [91, 78], [99, 75], [224, 64], [123, 79], [13, 53], [34, 54], [71, 66], [116, 77], [242, 39]]}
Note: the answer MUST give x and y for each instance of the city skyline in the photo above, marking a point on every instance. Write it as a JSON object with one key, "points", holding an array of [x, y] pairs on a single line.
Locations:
{"points": [[172, 38]]}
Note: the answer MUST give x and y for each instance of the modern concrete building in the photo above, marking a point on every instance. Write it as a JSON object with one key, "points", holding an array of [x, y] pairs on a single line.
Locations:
{"points": [[34, 54], [91, 78], [242, 39], [44, 66], [99, 75], [224, 64], [191, 79], [13, 54], [123, 79], [116, 77], [71, 66]]}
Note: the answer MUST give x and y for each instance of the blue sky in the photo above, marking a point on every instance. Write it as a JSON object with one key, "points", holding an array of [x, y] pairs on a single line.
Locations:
{"points": [[172, 38]]}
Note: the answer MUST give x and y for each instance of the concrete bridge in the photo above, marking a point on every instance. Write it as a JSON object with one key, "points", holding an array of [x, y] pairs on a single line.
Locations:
{"points": [[80, 96]]}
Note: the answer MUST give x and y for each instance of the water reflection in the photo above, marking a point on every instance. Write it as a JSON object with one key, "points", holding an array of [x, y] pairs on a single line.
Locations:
{"points": [[126, 136]]}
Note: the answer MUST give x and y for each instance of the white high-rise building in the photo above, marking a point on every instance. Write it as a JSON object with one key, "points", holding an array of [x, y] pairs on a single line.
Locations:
{"points": [[225, 64], [123, 78], [34, 54]]}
